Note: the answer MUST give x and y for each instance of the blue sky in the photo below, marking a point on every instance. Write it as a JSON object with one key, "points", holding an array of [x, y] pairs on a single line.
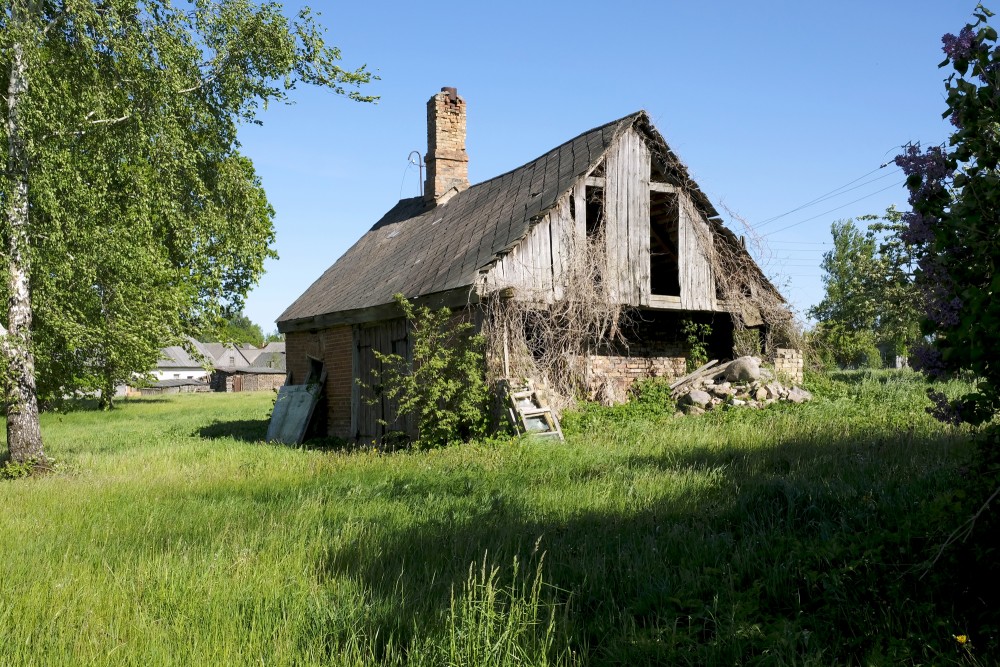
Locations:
{"points": [[771, 105]]}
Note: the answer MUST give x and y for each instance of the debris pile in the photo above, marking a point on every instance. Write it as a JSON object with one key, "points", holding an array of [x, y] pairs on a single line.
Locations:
{"points": [[740, 382]]}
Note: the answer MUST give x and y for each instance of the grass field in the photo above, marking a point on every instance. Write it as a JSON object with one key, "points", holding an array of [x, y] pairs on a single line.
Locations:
{"points": [[170, 534]]}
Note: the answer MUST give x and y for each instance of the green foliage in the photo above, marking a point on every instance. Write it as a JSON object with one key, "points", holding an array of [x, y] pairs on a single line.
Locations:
{"points": [[839, 346], [956, 205], [795, 535], [442, 385], [696, 337], [238, 328], [649, 398], [870, 296], [143, 222], [17, 469]]}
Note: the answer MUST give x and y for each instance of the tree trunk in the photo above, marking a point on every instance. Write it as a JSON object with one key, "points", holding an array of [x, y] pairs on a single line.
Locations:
{"points": [[24, 436], [107, 392]]}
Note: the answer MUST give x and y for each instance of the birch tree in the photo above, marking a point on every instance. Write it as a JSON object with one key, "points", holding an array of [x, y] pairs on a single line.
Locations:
{"points": [[129, 217]]}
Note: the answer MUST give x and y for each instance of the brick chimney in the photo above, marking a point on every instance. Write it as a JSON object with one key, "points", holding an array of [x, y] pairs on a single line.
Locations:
{"points": [[447, 161]]}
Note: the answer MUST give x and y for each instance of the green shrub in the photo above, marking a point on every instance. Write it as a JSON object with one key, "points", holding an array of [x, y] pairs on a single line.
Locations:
{"points": [[18, 469], [838, 346], [696, 337], [648, 399], [443, 385]]}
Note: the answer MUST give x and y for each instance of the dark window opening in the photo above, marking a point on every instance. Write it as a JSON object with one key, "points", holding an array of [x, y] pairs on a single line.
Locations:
{"points": [[595, 211], [664, 266]]}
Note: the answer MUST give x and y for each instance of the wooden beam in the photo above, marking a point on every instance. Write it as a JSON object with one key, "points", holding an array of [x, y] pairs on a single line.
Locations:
{"points": [[595, 181], [663, 187]]}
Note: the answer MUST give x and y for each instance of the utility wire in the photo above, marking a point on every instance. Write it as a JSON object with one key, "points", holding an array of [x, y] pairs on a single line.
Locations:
{"points": [[832, 193], [801, 222]]}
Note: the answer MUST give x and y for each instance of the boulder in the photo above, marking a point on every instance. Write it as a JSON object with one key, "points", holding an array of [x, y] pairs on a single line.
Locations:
{"points": [[722, 390], [744, 369], [760, 394], [697, 397], [694, 410], [799, 395]]}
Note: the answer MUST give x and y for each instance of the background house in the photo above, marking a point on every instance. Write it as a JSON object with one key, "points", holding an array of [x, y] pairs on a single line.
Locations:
{"points": [[618, 185], [183, 363]]}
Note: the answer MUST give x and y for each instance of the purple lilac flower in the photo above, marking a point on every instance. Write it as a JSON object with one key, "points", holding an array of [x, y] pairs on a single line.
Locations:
{"points": [[918, 229], [961, 47], [932, 167], [949, 412], [927, 358]]}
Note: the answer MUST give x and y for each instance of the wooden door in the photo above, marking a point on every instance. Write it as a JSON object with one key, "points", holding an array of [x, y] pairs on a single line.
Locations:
{"points": [[374, 407]]}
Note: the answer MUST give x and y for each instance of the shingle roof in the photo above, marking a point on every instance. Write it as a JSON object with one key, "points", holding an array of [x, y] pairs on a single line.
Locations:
{"points": [[175, 356], [270, 360], [221, 353], [418, 250]]}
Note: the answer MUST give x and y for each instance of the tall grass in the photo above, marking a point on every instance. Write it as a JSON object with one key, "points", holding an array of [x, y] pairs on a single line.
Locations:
{"points": [[170, 534]]}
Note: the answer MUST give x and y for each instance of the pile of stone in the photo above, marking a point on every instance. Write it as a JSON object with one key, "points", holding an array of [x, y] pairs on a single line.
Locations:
{"points": [[741, 382]]}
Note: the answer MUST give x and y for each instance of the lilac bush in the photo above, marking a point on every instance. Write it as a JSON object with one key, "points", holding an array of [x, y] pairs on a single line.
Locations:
{"points": [[954, 224]]}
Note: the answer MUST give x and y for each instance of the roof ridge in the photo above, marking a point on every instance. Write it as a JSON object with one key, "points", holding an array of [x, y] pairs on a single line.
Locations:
{"points": [[634, 116]]}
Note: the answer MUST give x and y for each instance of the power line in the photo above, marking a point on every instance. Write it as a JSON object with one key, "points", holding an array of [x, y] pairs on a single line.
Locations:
{"points": [[801, 222], [832, 194], [804, 242]]}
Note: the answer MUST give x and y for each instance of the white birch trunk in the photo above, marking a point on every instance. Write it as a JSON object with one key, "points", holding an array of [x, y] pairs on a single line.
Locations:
{"points": [[24, 436]]}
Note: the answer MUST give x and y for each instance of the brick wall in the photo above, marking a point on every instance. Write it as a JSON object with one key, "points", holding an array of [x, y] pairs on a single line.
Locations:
{"points": [[613, 372], [333, 346], [447, 161], [788, 364]]}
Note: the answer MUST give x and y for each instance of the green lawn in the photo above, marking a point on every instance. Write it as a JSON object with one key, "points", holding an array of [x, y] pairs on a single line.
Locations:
{"points": [[169, 534]]}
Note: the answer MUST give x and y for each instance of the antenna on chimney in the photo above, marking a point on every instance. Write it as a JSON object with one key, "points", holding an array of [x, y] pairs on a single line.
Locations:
{"points": [[420, 165]]}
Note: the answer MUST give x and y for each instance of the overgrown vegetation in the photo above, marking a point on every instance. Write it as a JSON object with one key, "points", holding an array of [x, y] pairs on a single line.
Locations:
{"points": [[790, 535], [696, 338], [528, 337], [952, 225], [128, 216], [442, 385]]}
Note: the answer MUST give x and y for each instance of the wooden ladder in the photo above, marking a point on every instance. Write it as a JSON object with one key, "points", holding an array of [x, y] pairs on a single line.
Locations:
{"points": [[528, 411]]}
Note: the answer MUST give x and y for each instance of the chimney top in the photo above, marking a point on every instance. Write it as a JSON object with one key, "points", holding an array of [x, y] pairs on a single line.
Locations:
{"points": [[447, 161]]}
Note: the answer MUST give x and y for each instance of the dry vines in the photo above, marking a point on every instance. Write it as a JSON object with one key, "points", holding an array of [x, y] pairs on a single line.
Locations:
{"points": [[535, 336], [530, 334]]}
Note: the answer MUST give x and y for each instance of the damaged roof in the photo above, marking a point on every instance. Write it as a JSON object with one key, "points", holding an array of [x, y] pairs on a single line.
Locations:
{"points": [[419, 249]]}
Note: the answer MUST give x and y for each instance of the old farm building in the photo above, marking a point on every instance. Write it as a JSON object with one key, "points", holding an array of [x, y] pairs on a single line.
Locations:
{"points": [[513, 234]]}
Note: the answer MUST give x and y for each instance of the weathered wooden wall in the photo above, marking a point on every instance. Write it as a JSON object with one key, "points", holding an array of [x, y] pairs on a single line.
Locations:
{"points": [[695, 267], [535, 267], [626, 215]]}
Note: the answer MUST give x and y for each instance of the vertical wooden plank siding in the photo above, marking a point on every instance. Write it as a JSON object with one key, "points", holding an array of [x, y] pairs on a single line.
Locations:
{"points": [[560, 222], [695, 268], [580, 210], [612, 226], [543, 261], [641, 222], [626, 197]]}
